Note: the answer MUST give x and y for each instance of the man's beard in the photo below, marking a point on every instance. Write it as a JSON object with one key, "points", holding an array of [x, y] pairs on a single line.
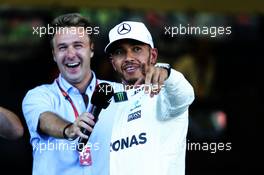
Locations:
{"points": [[132, 81]]}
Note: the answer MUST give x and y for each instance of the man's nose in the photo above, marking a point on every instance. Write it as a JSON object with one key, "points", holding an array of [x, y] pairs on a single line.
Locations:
{"points": [[129, 55], [71, 52]]}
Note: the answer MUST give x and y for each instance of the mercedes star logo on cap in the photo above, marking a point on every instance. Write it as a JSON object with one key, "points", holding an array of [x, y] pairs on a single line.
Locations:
{"points": [[123, 29]]}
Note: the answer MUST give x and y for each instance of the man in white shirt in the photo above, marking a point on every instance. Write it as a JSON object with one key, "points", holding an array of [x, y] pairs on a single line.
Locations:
{"points": [[150, 120], [57, 113]]}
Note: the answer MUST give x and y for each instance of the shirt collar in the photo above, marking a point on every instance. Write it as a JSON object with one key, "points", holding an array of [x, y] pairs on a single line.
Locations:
{"points": [[92, 85], [67, 87]]}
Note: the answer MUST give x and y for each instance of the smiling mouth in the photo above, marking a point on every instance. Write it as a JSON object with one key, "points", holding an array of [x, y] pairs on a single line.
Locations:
{"points": [[130, 68], [73, 65]]}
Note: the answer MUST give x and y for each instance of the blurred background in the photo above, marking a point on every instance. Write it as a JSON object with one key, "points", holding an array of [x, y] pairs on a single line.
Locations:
{"points": [[224, 70]]}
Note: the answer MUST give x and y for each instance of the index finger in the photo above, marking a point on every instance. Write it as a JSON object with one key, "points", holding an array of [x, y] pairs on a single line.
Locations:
{"points": [[139, 82], [149, 75]]}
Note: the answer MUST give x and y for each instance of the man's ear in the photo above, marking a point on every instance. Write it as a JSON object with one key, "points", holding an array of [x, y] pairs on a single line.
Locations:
{"points": [[153, 56], [92, 50], [113, 64], [54, 59], [52, 48]]}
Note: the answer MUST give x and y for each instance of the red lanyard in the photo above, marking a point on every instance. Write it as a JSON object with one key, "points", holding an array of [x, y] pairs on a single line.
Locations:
{"points": [[67, 97]]}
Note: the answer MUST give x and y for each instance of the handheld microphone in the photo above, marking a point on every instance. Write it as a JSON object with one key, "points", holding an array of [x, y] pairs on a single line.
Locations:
{"points": [[100, 100]]}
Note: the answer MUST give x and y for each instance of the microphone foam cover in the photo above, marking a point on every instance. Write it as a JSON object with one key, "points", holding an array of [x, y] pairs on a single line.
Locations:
{"points": [[102, 94]]}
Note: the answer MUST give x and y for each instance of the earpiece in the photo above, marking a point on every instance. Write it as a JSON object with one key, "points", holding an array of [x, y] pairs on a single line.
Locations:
{"points": [[92, 53], [54, 59]]}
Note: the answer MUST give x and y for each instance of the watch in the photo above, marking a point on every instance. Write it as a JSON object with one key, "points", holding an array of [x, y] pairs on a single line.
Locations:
{"points": [[64, 133], [164, 66]]}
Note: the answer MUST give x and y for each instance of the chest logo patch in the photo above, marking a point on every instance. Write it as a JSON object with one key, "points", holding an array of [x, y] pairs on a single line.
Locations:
{"points": [[120, 96], [134, 115]]}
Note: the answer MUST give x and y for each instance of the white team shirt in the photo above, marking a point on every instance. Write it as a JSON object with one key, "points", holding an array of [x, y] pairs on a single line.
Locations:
{"points": [[149, 134]]}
